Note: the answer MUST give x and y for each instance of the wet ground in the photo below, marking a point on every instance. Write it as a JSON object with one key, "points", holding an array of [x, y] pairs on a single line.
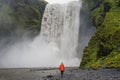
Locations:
{"points": [[54, 74]]}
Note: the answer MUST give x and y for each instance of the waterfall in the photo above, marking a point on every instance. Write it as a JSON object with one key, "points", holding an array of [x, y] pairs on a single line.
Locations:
{"points": [[60, 25], [57, 42]]}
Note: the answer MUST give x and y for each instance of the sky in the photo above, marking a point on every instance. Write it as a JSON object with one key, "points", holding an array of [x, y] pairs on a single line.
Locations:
{"points": [[59, 1]]}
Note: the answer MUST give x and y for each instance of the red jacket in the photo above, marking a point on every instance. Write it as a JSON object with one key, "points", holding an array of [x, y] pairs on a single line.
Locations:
{"points": [[62, 68]]}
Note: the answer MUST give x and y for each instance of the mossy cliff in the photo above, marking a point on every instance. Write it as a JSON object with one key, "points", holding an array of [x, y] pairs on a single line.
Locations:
{"points": [[103, 49], [19, 15]]}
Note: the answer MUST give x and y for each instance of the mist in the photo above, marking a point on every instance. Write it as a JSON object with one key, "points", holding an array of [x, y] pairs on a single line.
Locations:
{"points": [[13, 35], [59, 1], [86, 30], [33, 54], [37, 52], [17, 50]]}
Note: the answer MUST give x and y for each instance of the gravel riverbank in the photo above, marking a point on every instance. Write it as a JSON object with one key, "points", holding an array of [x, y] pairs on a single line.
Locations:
{"points": [[54, 74]]}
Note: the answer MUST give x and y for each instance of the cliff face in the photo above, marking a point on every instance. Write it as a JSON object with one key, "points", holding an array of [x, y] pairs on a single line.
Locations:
{"points": [[19, 19], [20, 14], [104, 47]]}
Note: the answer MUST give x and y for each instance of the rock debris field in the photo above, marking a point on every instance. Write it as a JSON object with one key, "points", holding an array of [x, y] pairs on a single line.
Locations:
{"points": [[54, 74]]}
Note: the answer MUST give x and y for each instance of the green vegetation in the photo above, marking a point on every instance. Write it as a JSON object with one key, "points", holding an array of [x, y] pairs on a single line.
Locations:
{"points": [[24, 15], [104, 47]]}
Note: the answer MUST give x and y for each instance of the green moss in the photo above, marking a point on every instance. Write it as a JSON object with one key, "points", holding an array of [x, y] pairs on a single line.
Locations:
{"points": [[21, 14], [113, 60], [31, 15], [104, 47], [97, 16]]}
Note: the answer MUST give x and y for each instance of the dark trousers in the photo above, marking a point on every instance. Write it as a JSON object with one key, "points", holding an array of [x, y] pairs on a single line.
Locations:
{"points": [[62, 73]]}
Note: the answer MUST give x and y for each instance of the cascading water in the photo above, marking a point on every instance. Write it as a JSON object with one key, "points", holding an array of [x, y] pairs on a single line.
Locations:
{"points": [[60, 25], [57, 42]]}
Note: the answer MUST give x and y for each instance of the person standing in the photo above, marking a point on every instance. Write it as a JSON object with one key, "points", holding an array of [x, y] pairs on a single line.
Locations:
{"points": [[62, 69]]}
